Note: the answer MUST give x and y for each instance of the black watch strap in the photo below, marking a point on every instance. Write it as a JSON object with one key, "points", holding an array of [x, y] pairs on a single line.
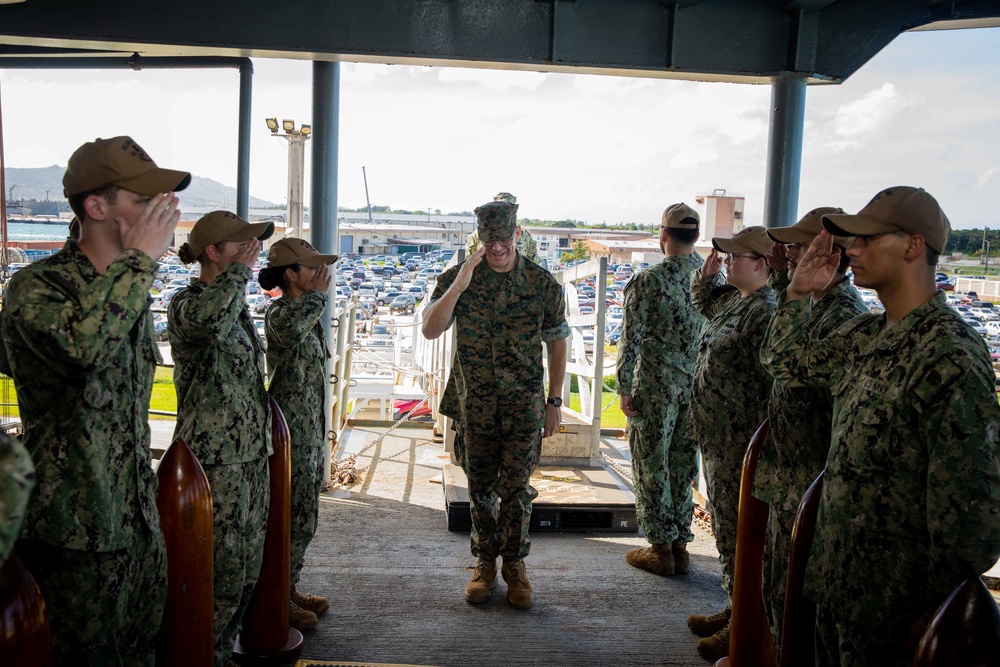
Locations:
{"points": [[557, 401]]}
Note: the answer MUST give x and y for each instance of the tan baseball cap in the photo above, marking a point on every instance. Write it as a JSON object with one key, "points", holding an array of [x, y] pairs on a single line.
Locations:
{"points": [[898, 209], [120, 162], [752, 239], [808, 228], [219, 226], [680, 216], [296, 251]]}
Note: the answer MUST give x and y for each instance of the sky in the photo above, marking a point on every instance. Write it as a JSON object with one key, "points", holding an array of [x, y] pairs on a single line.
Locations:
{"points": [[586, 147]]}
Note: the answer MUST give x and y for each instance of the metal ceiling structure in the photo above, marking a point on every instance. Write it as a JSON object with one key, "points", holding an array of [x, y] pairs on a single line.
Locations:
{"points": [[747, 41]]}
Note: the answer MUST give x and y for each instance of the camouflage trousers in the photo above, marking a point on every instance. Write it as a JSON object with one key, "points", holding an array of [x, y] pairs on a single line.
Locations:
{"points": [[723, 468], [777, 544], [241, 495], [664, 464], [105, 608], [308, 477], [844, 643], [499, 469]]}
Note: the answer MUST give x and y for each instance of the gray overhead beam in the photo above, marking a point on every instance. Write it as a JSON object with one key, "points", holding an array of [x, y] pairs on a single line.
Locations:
{"points": [[726, 40]]}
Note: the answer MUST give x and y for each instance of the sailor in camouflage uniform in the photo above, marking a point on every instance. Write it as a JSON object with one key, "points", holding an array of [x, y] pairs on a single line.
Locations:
{"points": [[80, 342], [222, 407], [504, 308], [656, 357], [296, 363], [17, 478], [729, 399], [800, 417], [909, 508], [526, 245]]}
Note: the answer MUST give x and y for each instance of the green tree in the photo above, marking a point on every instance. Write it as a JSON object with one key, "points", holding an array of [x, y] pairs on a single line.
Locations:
{"points": [[579, 251]]}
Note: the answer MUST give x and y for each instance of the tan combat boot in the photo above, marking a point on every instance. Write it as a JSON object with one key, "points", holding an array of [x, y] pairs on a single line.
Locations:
{"points": [[299, 618], [715, 647], [317, 604], [705, 626], [483, 580], [682, 559], [656, 558], [518, 586]]}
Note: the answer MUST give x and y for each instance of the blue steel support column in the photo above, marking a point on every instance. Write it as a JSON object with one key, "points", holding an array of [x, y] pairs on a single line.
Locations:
{"points": [[243, 150], [323, 200], [784, 151]]}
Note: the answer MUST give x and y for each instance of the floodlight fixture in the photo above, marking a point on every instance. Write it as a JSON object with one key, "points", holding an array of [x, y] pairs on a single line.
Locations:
{"points": [[272, 124], [306, 130], [288, 125]]}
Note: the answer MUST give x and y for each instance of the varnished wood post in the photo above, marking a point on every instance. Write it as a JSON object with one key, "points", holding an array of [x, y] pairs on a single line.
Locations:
{"points": [[964, 631], [266, 637], [185, 505], [24, 620], [750, 641], [798, 621]]}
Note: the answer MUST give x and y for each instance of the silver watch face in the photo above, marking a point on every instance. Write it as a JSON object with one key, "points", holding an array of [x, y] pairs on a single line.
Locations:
{"points": [[555, 401]]}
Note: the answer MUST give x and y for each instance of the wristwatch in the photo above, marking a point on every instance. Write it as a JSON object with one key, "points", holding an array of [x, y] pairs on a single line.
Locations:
{"points": [[557, 401]]}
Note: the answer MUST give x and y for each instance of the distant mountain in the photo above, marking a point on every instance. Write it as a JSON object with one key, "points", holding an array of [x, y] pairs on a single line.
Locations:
{"points": [[35, 183]]}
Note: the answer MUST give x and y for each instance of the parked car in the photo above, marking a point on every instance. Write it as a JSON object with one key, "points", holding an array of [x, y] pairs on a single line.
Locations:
{"points": [[257, 303], [161, 329], [418, 292], [404, 304]]}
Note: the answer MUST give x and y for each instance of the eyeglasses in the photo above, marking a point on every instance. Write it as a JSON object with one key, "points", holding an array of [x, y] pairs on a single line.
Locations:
{"points": [[731, 258], [499, 244]]}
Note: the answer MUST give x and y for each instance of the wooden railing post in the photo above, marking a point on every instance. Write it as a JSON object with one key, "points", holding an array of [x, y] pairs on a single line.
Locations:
{"points": [[798, 621], [184, 502], [750, 641], [267, 638], [24, 620], [964, 631]]}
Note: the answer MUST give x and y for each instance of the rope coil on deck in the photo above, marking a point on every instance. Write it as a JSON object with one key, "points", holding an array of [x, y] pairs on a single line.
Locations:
{"points": [[345, 471]]}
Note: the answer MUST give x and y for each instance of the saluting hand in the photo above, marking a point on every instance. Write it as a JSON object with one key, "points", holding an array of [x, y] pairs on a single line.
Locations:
{"points": [[247, 255], [778, 259], [815, 269], [153, 229], [464, 276], [320, 280], [713, 264]]}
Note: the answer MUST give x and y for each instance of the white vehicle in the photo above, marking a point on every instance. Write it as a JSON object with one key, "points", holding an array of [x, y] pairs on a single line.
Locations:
{"points": [[992, 327]]}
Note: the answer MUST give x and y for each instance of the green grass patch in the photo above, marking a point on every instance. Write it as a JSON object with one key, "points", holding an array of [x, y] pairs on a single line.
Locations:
{"points": [[612, 417]]}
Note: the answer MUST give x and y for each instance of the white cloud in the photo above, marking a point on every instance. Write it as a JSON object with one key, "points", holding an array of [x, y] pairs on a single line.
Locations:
{"points": [[986, 176]]}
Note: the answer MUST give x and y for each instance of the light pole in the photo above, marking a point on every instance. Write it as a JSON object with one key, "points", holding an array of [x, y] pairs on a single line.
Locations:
{"points": [[296, 167], [986, 270]]}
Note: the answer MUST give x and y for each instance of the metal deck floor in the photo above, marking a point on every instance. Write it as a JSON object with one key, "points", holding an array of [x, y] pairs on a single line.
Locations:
{"points": [[396, 578]]}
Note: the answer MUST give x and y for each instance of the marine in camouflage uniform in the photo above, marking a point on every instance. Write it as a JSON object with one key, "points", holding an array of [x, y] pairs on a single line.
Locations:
{"points": [[800, 417], [495, 391], [526, 244], [17, 478], [728, 401], [296, 362], [656, 356], [909, 503], [81, 349], [224, 417]]}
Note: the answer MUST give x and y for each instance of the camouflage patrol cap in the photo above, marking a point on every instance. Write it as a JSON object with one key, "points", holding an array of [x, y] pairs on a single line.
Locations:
{"points": [[297, 251], [897, 209], [752, 239], [120, 162], [497, 221], [680, 216], [808, 228], [219, 226], [505, 196]]}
